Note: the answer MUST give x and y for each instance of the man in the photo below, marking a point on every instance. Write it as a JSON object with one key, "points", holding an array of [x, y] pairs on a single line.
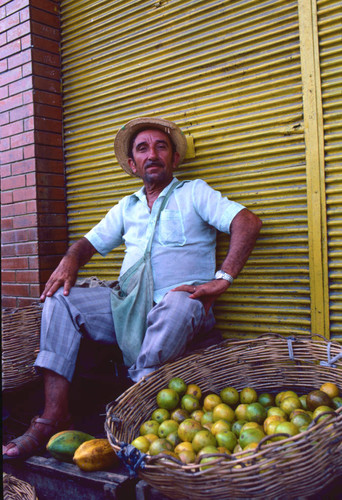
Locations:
{"points": [[183, 265]]}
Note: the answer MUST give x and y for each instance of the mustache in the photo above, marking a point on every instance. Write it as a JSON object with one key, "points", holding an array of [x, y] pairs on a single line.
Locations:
{"points": [[151, 163]]}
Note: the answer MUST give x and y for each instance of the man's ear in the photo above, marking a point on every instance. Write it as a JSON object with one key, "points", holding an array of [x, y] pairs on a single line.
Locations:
{"points": [[176, 159], [132, 165]]}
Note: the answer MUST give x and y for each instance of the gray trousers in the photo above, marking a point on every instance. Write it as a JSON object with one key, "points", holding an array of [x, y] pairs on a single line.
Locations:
{"points": [[172, 323]]}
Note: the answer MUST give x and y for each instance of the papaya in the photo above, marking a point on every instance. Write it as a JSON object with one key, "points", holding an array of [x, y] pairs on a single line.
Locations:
{"points": [[96, 454], [63, 445]]}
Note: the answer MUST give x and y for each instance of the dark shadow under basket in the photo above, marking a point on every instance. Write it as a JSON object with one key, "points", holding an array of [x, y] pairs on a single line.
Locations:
{"points": [[296, 466], [20, 335]]}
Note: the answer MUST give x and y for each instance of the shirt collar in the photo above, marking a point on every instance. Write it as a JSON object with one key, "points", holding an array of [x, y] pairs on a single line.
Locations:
{"points": [[142, 196]]}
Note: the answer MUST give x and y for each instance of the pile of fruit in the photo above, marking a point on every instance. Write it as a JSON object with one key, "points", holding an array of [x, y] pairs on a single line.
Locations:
{"points": [[188, 425]]}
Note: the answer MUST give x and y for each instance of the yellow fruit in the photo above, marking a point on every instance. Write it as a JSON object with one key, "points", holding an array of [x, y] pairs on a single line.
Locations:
{"points": [[301, 420], [207, 417], [141, 443], [230, 396], [237, 449], [302, 399], [203, 438], [187, 456], [252, 425], [184, 445], [63, 445], [150, 437], [167, 427], [322, 409], [287, 428], [149, 427], [289, 404], [240, 411], [279, 397], [330, 389], [250, 446], [256, 413], [159, 446], [248, 395], [271, 423], [223, 412], [222, 449], [188, 428], [190, 403], [197, 415], [219, 426], [275, 410], [207, 450], [160, 414], [178, 385], [211, 401], [168, 399], [96, 454], [194, 390], [251, 435]]}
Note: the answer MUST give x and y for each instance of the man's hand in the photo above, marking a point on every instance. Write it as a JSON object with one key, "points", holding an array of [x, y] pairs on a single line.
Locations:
{"points": [[206, 293], [66, 273]]}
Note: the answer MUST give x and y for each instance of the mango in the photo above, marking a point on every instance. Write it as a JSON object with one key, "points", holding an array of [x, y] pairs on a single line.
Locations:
{"points": [[63, 445]]}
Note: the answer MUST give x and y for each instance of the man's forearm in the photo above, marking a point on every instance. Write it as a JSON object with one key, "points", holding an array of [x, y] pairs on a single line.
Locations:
{"points": [[82, 250], [244, 232]]}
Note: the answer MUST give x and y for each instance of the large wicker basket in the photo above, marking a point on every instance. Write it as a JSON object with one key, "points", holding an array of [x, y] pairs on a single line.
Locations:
{"points": [[296, 466], [20, 336]]}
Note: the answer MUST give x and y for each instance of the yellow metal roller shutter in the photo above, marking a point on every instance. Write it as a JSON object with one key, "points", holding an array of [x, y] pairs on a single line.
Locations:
{"points": [[229, 73], [330, 45]]}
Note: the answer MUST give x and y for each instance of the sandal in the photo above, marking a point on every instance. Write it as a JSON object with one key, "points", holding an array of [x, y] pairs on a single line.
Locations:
{"points": [[34, 441]]}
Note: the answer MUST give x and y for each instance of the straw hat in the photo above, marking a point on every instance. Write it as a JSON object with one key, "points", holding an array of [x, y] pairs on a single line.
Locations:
{"points": [[124, 135]]}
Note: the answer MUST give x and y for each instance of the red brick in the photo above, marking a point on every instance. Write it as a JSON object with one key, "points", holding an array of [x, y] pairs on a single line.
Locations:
{"points": [[4, 92], [29, 248], [17, 209], [15, 263], [21, 85], [29, 151], [8, 211], [48, 98], [46, 71], [27, 220], [11, 103], [52, 220], [21, 235], [48, 5], [9, 302], [44, 17], [11, 76], [16, 5], [52, 166], [18, 31], [47, 111], [24, 111], [27, 193], [19, 59], [7, 276], [48, 138], [3, 39], [3, 65], [13, 182], [12, 155], [50, 193], [27, 69], [6, 170], [26, 42], [6, 198], [45, 31], [24, 14], [11, 48], [12, 128], [55, 180], [22, 139], [39, 42], [6, 224], [49, 261], [33, 262], [9, 21], [43, 57], [31, 206], [29, 123], [48, 125], [4, 118], [46, 84], [22, 167], [49, 152], [15, 289], [53, 247], [31, 179], [5, 144], [27, 96], [54, 206], [35, 290], [28, 276]]}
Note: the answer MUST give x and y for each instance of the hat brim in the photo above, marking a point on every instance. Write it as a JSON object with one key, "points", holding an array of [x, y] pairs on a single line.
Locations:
{"points": [[124, 135]]}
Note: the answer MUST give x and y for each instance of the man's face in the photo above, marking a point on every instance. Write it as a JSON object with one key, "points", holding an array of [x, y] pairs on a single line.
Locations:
{"points": [[153, 158]]}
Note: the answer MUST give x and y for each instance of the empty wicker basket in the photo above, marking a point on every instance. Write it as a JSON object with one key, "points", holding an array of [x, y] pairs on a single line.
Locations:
{"points": [[20, 344], [296, 466]]}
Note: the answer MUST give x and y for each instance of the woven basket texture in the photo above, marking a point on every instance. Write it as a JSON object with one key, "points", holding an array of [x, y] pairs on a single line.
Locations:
{"points": [[296, 466], [20, 334], [16, 489]]}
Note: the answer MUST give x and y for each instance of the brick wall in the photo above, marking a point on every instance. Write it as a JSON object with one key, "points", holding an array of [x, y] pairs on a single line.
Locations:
{"points": [[33, 212]]}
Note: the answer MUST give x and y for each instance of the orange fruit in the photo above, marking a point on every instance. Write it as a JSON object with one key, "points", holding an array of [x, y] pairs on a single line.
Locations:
{"points": [[289, 404], [190, 403], [197, 415], [203, 438], [266, 399], [227, 439], [252, 425], [194, 390], [318, 398], [230, 396], [223, 412], [211, 401], [151, 437], [287, 428], [141, 443], [184, 445], [275, 410], [237, 426], [188, 428], [173, 438], [240, 411], [179, 414], [323, 409], [149, 427], [166, 427], [330, 389], [248, 395], [207, 417], [256, 413], [178, 385], [251, 435], [187, 456], [219, 426], [337, 402], [160, 445], [160, 414], [168, 399], [271, 423]]}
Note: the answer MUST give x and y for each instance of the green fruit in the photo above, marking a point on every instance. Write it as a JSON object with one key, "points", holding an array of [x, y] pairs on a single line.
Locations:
{"points": [[63, 445], [168, 399]]}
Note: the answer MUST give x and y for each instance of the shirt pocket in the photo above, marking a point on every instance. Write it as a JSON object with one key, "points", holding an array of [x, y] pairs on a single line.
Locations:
{"points": [[171, 228]]}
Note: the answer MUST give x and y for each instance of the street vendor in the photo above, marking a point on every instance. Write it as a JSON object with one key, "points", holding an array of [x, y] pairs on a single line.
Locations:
{"points": [[169, 229]]}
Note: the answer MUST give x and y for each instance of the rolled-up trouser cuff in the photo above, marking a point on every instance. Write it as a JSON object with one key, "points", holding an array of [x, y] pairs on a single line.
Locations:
{"points": [[56, 363]]}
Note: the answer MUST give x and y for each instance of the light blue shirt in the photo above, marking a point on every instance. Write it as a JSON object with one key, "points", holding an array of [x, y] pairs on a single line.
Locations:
{"points": [[184, 243]]}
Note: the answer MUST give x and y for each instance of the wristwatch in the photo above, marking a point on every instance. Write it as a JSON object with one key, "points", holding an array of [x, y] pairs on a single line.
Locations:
{"points": [[221, 275]]}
